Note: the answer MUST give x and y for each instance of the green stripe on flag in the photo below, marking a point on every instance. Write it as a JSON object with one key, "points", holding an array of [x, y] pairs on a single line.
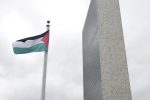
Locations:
{"points": [[36, 48]]}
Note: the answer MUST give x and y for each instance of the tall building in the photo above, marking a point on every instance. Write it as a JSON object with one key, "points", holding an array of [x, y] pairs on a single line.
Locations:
{"points": [[105, 71]]}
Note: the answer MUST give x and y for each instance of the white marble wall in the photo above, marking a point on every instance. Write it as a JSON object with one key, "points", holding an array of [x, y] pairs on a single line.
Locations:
{"points": [[104, 59]]}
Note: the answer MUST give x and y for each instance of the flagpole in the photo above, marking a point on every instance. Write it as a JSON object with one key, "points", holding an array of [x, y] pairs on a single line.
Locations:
{"points": [[43, 90]]}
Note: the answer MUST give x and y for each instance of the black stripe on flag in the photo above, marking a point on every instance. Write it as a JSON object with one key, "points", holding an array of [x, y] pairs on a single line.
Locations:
{"points": [[33, 37]]}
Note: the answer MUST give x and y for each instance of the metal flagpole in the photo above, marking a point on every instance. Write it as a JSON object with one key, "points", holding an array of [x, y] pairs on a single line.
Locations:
{"points": [[44, 69]]}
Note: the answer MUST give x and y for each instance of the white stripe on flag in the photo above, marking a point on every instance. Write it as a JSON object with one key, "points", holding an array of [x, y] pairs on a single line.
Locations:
{"points": [[27, 44]]}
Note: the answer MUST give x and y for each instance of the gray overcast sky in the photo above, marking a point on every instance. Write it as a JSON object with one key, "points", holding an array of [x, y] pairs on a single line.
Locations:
{"points": [[20, 75]]}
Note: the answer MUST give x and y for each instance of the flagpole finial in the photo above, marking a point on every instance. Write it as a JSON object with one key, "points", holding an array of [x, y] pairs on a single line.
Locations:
{"points": [[48, 22]]}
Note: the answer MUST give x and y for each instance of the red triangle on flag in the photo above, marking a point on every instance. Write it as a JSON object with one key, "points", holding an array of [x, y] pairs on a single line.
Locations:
{"points": [[45, 39]]}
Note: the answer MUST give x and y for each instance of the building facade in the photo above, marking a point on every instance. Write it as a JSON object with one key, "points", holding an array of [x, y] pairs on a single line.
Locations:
{"points": [[105, 71]]}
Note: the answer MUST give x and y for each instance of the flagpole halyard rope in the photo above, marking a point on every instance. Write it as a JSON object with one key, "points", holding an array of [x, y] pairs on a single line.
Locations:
{"points": [[43, 90]]}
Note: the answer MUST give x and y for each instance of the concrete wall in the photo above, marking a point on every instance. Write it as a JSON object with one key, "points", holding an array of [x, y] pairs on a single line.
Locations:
{"points": [[104, 59]]}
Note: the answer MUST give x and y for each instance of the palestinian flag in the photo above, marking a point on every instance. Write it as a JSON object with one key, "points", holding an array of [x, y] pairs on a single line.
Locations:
{"points": [[32, 44]]}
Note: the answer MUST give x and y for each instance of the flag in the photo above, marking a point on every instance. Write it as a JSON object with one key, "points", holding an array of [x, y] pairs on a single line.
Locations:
{"points": [[32, 44]]}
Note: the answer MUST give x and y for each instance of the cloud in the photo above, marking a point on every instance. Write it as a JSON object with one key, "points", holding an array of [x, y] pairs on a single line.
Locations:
{"points": [[21, 75], [136, 31]]}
